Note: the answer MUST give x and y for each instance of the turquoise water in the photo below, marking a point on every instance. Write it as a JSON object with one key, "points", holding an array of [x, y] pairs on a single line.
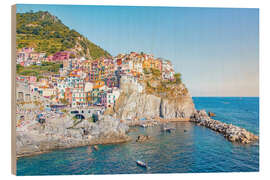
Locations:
{"points": [[190, 148]]}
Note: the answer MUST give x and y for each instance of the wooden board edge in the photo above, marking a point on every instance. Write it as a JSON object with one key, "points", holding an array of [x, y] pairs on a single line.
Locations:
{"points": [[13, 90]]}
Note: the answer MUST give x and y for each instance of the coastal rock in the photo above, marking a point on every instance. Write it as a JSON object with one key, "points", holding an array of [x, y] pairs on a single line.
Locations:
{"points": [[54, 136], [141, 105], [152, 98], [181, 107], [137, 105], [231, 132], [142, 138]]}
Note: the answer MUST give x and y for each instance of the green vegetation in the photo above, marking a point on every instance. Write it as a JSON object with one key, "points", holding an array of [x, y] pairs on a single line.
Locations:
{"points": [[146, 71], [64, 101], [46, 33], [177, 77], [64, 111], [161, 87], [156, 72], [34, 70]]}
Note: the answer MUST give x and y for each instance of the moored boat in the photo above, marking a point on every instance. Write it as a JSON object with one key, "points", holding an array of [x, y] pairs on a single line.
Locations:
{"points": [[141, 163]]}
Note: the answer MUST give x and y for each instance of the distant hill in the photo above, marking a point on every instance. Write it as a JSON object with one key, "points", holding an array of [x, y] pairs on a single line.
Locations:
{"points": [[46, 33]]}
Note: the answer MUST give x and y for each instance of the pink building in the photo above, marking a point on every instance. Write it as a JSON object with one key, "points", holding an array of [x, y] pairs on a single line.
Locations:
{"points": [[61, 56], [32, 79]]}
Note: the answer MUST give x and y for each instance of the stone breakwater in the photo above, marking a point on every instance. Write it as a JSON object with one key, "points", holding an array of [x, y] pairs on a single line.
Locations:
{"points": [[230, 132]]}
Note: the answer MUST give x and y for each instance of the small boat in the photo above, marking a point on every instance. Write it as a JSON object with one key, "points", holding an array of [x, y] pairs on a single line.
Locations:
{"points": [[143, 125], [140, 163], [96, 147], [168, 129]]}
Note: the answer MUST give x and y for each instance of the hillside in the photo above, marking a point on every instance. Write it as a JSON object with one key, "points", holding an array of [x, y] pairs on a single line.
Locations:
{"points": [[46, 33]]}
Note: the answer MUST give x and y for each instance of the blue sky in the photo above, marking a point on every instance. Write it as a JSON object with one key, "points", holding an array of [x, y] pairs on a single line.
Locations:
{"points": [[215, 49]]}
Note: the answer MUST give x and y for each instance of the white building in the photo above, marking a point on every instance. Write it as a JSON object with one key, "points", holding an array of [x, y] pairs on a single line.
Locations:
{"points": [[49, 92], [127, 66], [137, 66], [112, 97], [61, 87], [167, 70], [88, 86]]}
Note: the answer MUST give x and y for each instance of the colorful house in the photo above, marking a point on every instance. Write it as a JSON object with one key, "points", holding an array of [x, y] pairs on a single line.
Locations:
{"points": [[87, 65], [146, 64], [112, 97], [68, 95], [63, 55], [78, 97]]}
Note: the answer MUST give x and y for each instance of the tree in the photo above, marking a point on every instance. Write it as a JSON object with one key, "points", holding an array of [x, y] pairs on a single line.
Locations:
{"points": [[19, 68], [48, 34]]}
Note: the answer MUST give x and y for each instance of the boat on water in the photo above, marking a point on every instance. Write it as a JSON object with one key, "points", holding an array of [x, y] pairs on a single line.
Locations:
{"points": [[167, 129], [141, 163], [96, 147]]}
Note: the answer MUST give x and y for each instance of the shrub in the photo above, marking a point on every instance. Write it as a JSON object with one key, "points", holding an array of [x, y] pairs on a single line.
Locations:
{"points": [[177, 77], [146, 71], [155, 72]]}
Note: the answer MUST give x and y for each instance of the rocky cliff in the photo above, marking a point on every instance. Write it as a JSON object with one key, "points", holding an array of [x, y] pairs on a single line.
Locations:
{"points": [[133, 104], [180, 107]]}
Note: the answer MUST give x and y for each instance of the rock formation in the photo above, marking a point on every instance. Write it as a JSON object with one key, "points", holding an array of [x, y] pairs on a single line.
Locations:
{"points": [[142, 138], [231, 132], [58, 136], [141, 105], [152, 98], [180, 107], [136, 104]]}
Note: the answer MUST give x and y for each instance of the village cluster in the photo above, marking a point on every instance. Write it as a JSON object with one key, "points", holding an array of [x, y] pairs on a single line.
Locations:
{"points": [[81, 82]]}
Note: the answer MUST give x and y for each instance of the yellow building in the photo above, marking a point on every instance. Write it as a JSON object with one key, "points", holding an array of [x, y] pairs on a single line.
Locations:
{"points": [[146, 64]]}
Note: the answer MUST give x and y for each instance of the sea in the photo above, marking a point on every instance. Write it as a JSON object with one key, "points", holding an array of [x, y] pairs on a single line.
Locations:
{"points": [[188, 149]]}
